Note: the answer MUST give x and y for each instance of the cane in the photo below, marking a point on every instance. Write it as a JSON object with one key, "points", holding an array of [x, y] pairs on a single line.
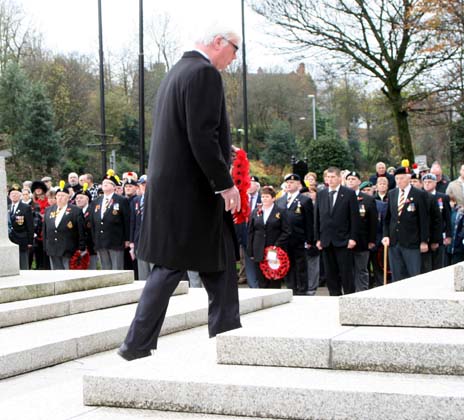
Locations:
{"points": [[385, 253]]}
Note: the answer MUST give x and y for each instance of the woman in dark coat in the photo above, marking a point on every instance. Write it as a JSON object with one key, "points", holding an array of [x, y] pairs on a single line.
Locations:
{"points": [[268, 226]]}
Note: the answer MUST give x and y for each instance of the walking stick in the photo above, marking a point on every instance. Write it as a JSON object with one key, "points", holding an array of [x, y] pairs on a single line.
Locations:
{"points": [[385, 253]]}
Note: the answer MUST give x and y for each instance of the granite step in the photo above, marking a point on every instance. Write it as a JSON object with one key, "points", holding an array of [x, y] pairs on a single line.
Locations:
{"points": [[308, 335], [31, 284], [459, 277], [31, 310], [183, 376], [36, 345], [427, 300]]}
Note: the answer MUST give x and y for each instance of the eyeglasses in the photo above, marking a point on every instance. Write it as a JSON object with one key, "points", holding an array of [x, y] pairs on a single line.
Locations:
{"points": [[231, 43]]}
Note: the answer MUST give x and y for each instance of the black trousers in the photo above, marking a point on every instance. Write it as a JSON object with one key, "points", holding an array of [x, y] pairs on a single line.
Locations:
{"points": [[338, 263], [297, 277], [222, 289]]}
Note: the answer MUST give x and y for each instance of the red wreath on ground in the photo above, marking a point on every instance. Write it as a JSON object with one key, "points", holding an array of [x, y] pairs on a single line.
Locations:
{"points": [[78, 262], [241, 177], [278, 270]]}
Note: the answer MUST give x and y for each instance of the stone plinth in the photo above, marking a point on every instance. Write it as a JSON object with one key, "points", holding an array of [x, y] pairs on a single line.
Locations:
{"points": [[459, 277], [9, 252]]}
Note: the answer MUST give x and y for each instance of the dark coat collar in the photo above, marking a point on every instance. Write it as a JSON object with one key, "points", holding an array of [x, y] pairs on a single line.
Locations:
{"points": [[195, 54]]}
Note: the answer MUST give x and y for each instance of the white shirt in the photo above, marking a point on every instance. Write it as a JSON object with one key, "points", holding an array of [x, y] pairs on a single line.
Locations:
{"points": [[291, 198], [14, 207], [59, 215], [406, 193], [334, 198], [253, 200], [105, 197], [85, 209], [266, 213]]}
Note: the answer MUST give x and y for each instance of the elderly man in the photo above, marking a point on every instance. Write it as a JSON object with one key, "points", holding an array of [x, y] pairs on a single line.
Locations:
{"points": [[73, 179], [63, 231], [191, 149], [381, 170], [110, 220], [456, 188], [442, 180], [406, 227]]}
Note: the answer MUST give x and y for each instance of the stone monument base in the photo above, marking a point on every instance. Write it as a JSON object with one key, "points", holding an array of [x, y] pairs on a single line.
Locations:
{"points": [[9, 259]]}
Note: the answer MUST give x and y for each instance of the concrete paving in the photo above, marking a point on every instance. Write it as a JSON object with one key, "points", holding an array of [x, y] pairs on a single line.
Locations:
{"points": [[31, 310], [186, 378], [45, 343], [31, 284], [428, 300]]}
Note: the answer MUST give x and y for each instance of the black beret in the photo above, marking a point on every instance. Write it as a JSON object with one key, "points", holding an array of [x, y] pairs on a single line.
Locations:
{"points": [[14, 187], [254, 178], [292, 177], [353, 173], [402, 170]]}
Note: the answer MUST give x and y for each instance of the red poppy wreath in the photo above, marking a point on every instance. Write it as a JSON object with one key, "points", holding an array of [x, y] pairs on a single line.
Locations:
{"points": [[275, 264], [78, 262]]}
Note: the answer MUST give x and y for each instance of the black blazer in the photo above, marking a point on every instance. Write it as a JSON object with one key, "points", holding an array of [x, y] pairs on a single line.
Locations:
{"points": [[412, 227], [300, 218], [189, 163], [22, 226], [444, 207], [88, 231], [68, 236], [135, 219], [113, 230], [275, 232], [368, 225], [343, 224]]}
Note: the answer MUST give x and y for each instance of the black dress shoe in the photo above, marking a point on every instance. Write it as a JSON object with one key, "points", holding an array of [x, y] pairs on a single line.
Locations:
{"points": [[129, 355]]}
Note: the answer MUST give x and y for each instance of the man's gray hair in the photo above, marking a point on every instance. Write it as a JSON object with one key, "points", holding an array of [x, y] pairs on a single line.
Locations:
{"points": [[211, 32]]}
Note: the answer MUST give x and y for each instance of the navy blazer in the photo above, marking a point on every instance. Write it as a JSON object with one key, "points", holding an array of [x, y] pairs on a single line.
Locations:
{"points": [[412, 226]]}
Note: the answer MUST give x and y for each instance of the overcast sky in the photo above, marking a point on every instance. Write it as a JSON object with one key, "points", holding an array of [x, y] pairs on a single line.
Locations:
{"points": [[70, 26]]}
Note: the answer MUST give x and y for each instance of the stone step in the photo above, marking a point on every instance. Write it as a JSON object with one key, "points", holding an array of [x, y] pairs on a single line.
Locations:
{"points": [[183, 376], [31, 284], [31, 310], [459, 277], [427, 300], [45, 343], [308, 335]]}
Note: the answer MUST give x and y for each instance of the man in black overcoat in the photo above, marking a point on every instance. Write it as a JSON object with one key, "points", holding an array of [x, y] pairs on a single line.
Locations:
{"points": [[189, 226], [337, 232], [406, 228]]}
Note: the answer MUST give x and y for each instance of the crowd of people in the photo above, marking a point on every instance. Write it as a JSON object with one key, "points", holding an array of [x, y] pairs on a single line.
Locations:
{"points": [[353, 233], [334, 232]]}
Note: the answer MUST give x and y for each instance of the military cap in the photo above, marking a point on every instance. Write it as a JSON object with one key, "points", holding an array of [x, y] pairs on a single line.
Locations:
{"points": [[142, 179], [353, 173], [430, 177], [14, 187], [62, 188], [365, 184], [254, 178], [111, 176], [292, 177]]}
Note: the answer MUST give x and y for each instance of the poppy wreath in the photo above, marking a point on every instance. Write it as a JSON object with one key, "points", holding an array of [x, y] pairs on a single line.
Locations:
{"points": [[78, 262], [283, 261], [241, 177]]}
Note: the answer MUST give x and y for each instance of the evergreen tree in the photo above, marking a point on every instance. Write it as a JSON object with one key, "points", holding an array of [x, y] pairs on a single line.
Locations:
{"points": [[280, 144], [38, 144]]}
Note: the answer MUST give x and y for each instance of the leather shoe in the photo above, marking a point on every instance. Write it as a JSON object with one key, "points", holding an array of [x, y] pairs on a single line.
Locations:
{"points": [[129, 355]]}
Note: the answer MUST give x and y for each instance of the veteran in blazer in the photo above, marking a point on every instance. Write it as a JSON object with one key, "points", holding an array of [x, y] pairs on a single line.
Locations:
{"points": [[337, 232], [187, 224], [21, 231], [110, 220], [63, 231], [406, 229], [367, 231], [268, 226], [300, 215]]}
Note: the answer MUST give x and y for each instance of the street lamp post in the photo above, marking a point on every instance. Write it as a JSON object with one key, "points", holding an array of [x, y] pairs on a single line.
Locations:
{"points": [[313, 97]]}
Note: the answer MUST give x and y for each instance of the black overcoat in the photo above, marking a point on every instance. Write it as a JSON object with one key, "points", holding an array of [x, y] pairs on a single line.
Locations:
{"points": [[189, 163], [22, 226]]}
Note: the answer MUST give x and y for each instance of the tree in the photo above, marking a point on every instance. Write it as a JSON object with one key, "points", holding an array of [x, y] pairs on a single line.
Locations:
{"points": [[280, 144], [38, 144], [323, 153], [386, 39]]}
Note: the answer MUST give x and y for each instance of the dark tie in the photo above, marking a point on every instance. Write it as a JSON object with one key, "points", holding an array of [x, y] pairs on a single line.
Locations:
{"points": [[331, 199]]}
